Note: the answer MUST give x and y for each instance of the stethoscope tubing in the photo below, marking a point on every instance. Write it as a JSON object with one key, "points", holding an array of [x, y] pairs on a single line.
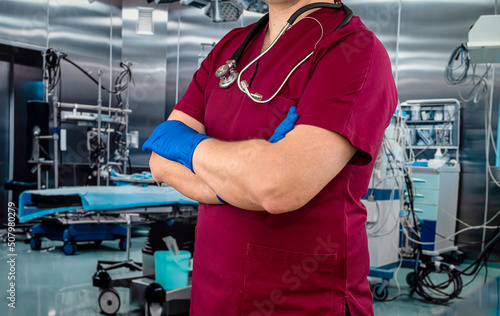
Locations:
{"points": [[229, 75]]}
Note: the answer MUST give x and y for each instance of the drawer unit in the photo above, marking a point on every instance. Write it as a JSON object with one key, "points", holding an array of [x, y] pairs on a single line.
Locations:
{"points": [[427, 197], [436, 198], [426, 181], [426, 212]]}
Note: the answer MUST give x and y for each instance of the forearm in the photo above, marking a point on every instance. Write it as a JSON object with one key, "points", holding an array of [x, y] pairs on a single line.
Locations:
{"points": [[252, 175], [256, 174], [182, 179], [275, 177]]}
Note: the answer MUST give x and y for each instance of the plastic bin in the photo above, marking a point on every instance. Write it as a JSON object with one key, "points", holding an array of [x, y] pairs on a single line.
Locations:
{"points": [[172, 271]]}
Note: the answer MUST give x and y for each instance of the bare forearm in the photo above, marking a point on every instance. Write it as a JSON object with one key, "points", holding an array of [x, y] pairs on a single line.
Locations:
{"points": [[221, 167], [276, 177], [253, 175], [182, 179]]}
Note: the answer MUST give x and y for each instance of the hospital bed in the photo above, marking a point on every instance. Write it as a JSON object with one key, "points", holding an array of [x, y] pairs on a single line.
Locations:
{"points": [[83, 214], [90, 213]]}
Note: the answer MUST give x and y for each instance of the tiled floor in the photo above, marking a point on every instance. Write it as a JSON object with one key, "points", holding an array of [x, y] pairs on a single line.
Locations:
{"points": [[49, 283]]}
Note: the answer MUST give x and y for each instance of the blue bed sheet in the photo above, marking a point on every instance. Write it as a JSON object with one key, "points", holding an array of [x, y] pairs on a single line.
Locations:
{"points": [[102, 198]]}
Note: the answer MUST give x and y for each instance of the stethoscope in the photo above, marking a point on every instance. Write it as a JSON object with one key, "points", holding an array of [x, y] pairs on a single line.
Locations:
{"points": [[229, 75]]}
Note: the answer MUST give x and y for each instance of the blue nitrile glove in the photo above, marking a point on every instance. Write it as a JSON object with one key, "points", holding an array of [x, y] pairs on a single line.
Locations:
{"points": [[175, 141], [286, 126]]}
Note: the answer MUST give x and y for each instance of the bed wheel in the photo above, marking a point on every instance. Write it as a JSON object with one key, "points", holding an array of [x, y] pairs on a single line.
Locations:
{"points": [[122, 244], [35, 243], [69, 248], [155, 298], [380, 292], [109, 301], [153, 309], [410, 280]]}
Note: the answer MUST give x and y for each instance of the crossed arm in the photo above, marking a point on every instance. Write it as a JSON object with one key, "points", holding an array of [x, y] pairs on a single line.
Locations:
{"points": [[256, 174]]}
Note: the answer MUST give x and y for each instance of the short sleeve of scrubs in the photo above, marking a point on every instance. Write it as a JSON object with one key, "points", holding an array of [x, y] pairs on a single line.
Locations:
{"points": [[348, 93], [192, 102]]}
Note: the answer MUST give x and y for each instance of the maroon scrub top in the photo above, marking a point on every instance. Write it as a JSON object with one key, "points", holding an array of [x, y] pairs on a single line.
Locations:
{"points": [[313, 260]]}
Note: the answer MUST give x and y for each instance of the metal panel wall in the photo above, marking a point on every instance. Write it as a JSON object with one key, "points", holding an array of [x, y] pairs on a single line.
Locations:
{"points": [[90, 34], [148, 54], [187, 29], [24, 23], [381, 17]]}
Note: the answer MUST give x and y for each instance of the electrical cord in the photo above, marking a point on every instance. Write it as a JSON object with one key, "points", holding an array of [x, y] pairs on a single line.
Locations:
{"points": [[440, 293], [419, 280], [53, 72], [480, 87], [450, 283], [52, 75], [422, 282], [462, 53]]}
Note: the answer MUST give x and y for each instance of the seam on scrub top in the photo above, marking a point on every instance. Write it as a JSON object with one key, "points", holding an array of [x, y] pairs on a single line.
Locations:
{"points": [[244, 283], [354, 103], [345, 291], [346, 241], [195, 109], [250, 234]]}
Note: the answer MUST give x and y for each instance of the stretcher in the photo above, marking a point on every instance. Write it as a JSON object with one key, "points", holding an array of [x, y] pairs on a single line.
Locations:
{"points": [[96, 213], [91, 212]]}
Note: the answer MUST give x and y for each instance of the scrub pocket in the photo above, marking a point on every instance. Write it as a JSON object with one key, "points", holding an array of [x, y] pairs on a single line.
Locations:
{"points": [[276, 113], [286, 283]]}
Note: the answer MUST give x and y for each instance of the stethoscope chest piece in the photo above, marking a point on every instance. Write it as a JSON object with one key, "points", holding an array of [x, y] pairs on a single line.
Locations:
{"points": [[227, 74], [227, 81]]}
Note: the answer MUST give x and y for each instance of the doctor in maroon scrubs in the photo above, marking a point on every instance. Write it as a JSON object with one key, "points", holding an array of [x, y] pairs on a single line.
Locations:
{"points": [[281, 227]]}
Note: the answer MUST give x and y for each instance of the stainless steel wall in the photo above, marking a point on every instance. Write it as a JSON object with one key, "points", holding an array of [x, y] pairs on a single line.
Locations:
{"points": [[90, 34], [24, 23], [147, 51]]}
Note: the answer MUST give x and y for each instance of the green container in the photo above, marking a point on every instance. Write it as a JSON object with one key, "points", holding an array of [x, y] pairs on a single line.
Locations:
{"points": [[172, 271]]}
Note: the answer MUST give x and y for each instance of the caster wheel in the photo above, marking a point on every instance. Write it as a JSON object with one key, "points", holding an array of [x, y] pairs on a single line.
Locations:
{"points": [[69, 249], [35, 243], [457, 258], [153, 309], [109, 301], [410, 280], [380, 294], [122, 244], [155, 298], [27, 238]]}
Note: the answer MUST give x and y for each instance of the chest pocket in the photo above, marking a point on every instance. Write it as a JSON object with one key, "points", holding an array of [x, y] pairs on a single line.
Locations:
{"points": [[232, 116]]}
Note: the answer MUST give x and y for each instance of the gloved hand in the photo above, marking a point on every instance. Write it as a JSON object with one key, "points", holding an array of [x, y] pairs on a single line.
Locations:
{"points": [[175, 141], [286, 126]]}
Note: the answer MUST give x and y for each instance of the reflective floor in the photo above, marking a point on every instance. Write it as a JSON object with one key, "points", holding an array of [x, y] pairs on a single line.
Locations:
{"points": [[49, 283]]}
